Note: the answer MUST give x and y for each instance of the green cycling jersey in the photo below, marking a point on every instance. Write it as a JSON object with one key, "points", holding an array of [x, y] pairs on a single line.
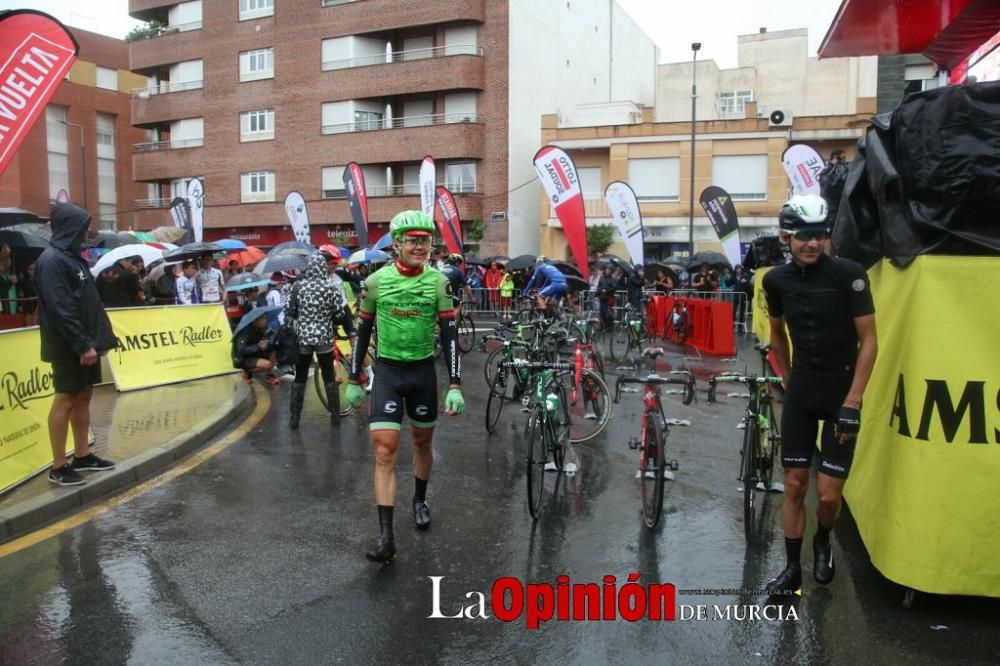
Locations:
{"points": [[406, 310]]}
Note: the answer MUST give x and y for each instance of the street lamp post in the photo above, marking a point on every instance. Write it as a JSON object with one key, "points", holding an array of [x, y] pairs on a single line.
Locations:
{"points": [[83, 159], [694, 96]]}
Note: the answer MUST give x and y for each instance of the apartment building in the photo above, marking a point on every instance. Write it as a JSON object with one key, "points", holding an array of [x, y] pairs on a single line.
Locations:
{"points": [[263, 97], [82, 143], [739, 140]]}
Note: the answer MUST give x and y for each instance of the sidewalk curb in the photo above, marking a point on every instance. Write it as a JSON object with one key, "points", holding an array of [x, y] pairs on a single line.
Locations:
{"points": [[23, 517]]}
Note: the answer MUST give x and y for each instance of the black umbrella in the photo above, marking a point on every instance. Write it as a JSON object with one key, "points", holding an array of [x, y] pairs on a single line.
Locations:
{"points": [[476, 261], [615, 260], [11, 216], [567, 269], [16, 239], [40, 229], [499, 258], [521, 262], [577, 283], [191, 251], [281, 262], [291, 247], [253, 316], [652, 267], [713, 259]]}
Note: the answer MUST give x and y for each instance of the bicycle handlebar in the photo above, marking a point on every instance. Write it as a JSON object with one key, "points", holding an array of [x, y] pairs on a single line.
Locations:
{"points": [[686, 381], [744, 379], [536, 365]]}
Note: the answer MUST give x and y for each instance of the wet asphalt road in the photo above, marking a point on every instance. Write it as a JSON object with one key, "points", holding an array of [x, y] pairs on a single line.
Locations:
{"points": [[256, 557]]}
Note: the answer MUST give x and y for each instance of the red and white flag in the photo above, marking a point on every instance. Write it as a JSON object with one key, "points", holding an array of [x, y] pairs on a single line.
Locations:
{"points": [[558, 174], [428, 183], [448, 222], [36, 52], [802, 164]]}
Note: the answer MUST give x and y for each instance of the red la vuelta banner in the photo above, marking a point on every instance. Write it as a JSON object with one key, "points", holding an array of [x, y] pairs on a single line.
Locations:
{"points": [[449, 223], [36, 52], [558, 174]]}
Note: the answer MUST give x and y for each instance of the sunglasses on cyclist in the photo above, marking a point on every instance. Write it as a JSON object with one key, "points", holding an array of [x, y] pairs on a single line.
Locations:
{"points": [[806, 236], [416, 241]]}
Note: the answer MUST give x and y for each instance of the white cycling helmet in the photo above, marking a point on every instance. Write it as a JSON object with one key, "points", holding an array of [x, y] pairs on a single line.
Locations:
{"points": [[803, 211]]}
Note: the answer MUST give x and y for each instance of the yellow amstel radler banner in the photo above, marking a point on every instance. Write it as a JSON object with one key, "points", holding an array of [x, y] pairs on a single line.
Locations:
{"points": [[923, 487], [167, 344], [26, 394]]}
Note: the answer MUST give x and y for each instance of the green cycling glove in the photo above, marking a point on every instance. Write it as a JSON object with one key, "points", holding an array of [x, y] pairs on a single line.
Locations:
{"points": [[355, 395], [454, 403]]}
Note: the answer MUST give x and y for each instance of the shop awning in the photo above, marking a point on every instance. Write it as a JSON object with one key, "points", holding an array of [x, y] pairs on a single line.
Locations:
{"points": [[945, 31]]}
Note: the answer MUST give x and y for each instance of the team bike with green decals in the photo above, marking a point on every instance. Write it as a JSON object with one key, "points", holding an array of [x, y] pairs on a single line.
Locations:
{"points": [[761, 442], [628, 335]]}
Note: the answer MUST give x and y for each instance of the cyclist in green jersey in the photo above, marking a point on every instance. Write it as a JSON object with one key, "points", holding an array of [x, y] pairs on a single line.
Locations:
{"points": [[406, 301]]}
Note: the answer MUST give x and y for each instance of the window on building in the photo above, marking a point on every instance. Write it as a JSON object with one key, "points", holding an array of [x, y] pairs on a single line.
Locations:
{"points": [[105, 136], [333, 182], [590, 182], [417, 112], [257, 64], [108, 214], [655, 179], [107, 78], [743, 176], [184, 16], [58, 149], [257, 186], [734, 102], [460, 177], [367, 120], [257, 125], [411, 179], [253, 9], [107, 192]]}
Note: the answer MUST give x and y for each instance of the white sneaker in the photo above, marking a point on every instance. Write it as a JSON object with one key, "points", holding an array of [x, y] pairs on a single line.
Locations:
{"points": [[742, 425], [370, 382], [550, 466], [570, 468], [590, 416]]}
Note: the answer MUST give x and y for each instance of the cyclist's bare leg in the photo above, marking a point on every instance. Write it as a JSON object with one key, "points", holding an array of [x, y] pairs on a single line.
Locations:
{"points": [[829, 491], [386, 444], [793, 510], [423, 452]]}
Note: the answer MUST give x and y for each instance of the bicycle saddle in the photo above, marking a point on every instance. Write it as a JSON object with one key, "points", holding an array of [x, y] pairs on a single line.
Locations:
{"points": [[653, 352]]}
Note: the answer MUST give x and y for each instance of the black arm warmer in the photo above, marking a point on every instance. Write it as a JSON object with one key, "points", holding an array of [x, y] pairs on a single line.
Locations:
{"points": [[361, 347], [449, 343]]}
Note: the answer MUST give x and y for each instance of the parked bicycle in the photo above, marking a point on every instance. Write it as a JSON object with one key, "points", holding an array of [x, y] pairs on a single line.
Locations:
{"points": [[628, 335], [652, 442], [761, 442]]}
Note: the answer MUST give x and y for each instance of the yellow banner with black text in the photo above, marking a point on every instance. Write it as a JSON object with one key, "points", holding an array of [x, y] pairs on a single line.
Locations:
{"points": [[26, 395], [164, 345], [923, 485]]}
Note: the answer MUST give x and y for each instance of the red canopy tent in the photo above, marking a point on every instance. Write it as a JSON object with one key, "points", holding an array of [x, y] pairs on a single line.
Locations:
{"points": [[947, 32]]}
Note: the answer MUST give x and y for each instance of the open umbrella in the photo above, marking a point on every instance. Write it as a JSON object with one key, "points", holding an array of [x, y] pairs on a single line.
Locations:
{"points": [[40, 229], [231, 244], [292, 247], [652, 267], [245, 281], [247, 257], [281, 262], [168, 234], [476, 261], [367, 256], [499, 258], [714, 259], [383, 243], [191, 251], [577, 283], [18, 239], [521, 262], [147, 253], [567, 269], [253, 316], [615, 260]]}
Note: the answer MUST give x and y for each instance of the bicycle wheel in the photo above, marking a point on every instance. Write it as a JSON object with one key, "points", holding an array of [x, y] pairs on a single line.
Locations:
{"points": [[590, 414], [466, 334], [618, 340], [320, 386], [536, 459], [598, 362], [341, 372], [749, 478], [494, 403], [773, 446], [651, 471], [683, 327], [490, 368]]}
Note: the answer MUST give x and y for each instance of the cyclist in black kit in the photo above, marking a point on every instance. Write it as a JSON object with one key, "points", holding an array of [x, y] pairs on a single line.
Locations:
{"points": [[828, 307]]}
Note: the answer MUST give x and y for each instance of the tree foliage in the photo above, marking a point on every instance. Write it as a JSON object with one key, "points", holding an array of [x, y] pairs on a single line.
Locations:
{"points": [[600, 238]]}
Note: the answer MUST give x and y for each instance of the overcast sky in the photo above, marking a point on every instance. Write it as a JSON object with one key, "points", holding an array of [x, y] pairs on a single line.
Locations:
{"points": [[672, 24]]}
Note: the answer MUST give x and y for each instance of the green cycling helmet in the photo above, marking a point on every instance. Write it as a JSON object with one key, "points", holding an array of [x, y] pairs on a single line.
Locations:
{"points": [[412, 221]]}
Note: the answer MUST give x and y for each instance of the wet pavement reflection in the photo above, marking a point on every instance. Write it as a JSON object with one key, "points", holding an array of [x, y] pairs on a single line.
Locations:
{"points": [[256, 556]]}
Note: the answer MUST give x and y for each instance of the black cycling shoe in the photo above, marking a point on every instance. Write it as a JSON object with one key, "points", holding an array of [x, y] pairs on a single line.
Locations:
{"points": [[787, 582], [421, 515], [823, 568], [385, 550]]}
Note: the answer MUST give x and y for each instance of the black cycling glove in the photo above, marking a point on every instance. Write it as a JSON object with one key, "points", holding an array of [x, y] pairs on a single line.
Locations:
{"points": [[848, 422]]}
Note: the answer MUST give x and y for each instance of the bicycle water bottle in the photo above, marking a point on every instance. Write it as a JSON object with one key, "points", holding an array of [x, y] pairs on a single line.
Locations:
{"points": [[552, 403]]}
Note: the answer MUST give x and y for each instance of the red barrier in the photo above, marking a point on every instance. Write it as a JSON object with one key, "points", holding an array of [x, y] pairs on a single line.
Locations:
{"points": [[711, 323]]}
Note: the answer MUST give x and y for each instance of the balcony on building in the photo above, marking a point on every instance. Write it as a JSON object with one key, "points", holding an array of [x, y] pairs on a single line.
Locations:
{"points": [[393, 187], [444, 124], [173, 90], [386, 14], [405, 64], [169, 30], [170, 150]]}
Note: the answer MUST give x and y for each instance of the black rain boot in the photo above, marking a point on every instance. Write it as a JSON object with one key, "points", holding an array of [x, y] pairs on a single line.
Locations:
{"points": [[787, 582], [295, 405], [823, 568], [333, 402]]}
